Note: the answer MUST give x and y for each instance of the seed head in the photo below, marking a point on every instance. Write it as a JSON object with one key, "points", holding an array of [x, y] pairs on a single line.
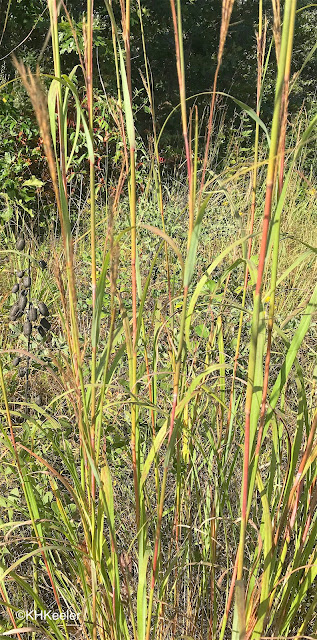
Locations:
{"points": [[27, 282], [43, 309], [27, 328]]}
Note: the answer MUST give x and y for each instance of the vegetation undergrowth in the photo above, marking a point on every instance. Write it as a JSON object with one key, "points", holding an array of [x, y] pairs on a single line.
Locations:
{"points": [[159, 468]]}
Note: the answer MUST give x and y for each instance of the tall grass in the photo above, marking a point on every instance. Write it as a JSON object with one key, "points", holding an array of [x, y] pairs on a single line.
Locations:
{"points": [[130, 511]]}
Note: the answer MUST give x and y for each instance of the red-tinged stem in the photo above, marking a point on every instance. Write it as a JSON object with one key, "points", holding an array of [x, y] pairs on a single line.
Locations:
{"points": [[134, 334], [230, 598], [152, 418], [312, 507], [276, 231], [89, 83], [275, 132], [10, 614], [297, 482], [133, 249]]}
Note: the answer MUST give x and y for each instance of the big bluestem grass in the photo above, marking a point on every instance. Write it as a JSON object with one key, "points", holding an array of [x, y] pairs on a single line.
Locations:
{"points": [[182, 388]]}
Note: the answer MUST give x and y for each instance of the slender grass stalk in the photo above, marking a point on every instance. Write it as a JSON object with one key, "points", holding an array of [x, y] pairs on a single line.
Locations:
{"points": [[126, 19], [180, 65], [176, 15], [113, 311], [134, 444], [227, 6], [57, 70], [60, 190], [276, 231], [125, 14], [166, 463], [27, 381], [157, 174], [257, 299], [89, 83], [192, 180], [261, 38]]}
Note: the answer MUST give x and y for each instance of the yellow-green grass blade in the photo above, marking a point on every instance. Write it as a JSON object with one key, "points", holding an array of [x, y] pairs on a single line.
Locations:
{"points": [[238, 625], [241, 104], [95, 328], [292, 351], [267, 553], [159, 439], [162, 234], [127, 102], [52, 97]]}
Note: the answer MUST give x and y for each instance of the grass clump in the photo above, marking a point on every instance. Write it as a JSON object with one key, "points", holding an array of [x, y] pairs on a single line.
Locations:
{"points": [[166, 487]]}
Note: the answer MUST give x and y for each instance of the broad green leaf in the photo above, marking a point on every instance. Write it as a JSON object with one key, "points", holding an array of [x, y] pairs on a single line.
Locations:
{"points": [[33, 182]]}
